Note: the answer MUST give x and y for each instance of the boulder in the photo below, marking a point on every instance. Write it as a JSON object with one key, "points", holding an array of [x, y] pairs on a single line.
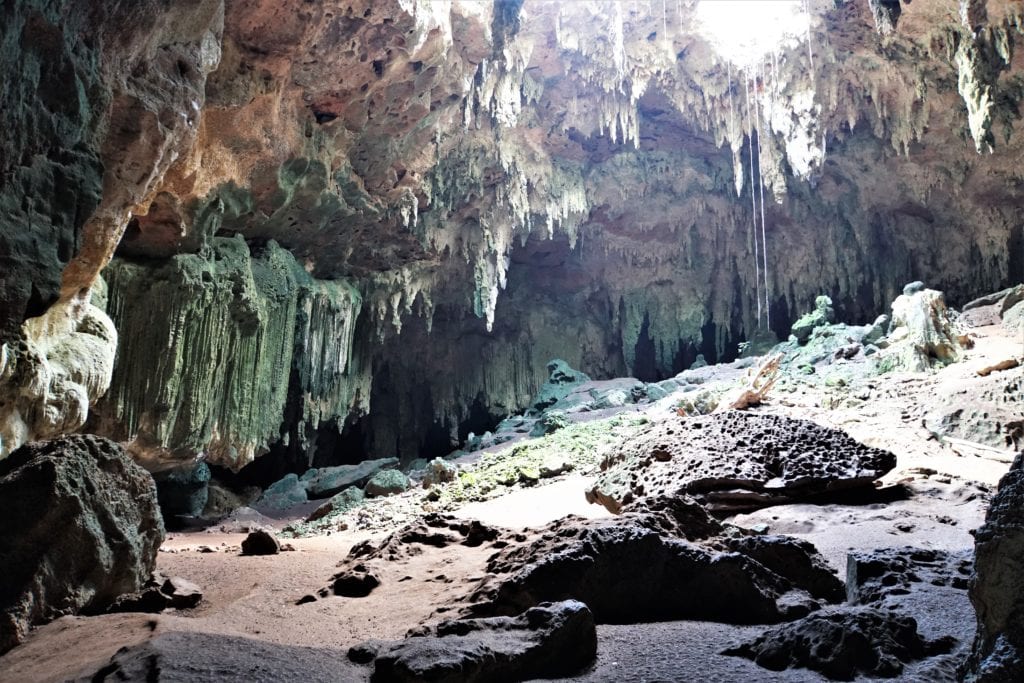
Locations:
{"points": [[439, 471], [735, 461], [548, 641], [822, 315], [327, 481], [284, 493], [997, 590], [338, 503], [842, 644], [387, 483], [79, 527], [260, 542], [562, 380], [640, 567], [357, 582]]}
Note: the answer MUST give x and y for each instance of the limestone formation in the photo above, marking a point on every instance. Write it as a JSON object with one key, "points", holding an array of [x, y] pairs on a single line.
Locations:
{"points": [[736, 461], [387, 483], [640, 567], [842, 644], [997, 589], [873, 576], [260, 542], [807, 323], [79, 527], [922, 333], [547, 641]]}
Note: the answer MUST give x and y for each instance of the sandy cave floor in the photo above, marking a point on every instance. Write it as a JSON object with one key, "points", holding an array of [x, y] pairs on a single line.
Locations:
{"points": [[249, 627]]}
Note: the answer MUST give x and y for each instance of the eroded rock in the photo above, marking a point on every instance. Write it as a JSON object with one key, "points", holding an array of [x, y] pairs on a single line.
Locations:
{"points": [[547, 641], [735, 461], [842, 644], [79, 527]]}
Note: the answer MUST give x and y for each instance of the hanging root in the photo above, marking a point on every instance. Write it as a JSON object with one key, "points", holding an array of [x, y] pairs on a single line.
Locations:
{"points": [[757, 390]]}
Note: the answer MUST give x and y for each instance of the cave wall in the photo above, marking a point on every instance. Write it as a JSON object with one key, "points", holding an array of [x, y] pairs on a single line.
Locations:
{"points": [[363, 228]]}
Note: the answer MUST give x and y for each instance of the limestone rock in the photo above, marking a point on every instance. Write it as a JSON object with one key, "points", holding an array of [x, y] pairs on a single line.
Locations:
{"points": [[357, 582], [842, 643], [46, 389], [922, 334], [338, 503], [562, 380], [638, 567], [439, 471], [327, 481], [820, 316], [994, 416], [997, 590], [284, 493], [872, 576], [736, 461], [387, 483], [547, 641], [260, 542], [79, 526]]}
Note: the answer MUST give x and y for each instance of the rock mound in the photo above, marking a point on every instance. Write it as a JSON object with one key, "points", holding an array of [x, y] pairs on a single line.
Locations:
{"points": [[736, 461], [79, 527], [872, 576], [550, 640], [638, 568], [842, 644]]}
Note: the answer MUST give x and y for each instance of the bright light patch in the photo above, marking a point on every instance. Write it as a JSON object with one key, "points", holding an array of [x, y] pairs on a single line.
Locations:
{"points": [[744, 31]]}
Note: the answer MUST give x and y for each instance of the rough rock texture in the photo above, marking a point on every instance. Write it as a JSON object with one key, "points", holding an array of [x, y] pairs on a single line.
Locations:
{"points": [[640, 567], [823, 314], [993, 417], [387, 483], [872, 576], [997, 590], [328, 481], [338, 503], [93, 125], [184, 491], [842, 644], [922, 332], [492, 183], [48, 385], [735, 461], [79, 526], [547, 641]]}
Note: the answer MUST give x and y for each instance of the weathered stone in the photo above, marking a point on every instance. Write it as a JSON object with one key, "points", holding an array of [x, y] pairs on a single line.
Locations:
{"points": [[260, 542], [736, 461], [284, 493], [338, 503], [357, 582], [638, 567], [872, 576], [79, 527], [997, 590], [387, 483], [327, 481], [843, 643], [439, 471], [922, 334], [548, 641], [821, 315], [562, 380]]}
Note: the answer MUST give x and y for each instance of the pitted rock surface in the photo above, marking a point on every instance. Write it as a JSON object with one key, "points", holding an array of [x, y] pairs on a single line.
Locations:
{"points": [[736, 461], [874, 575], [545, 641], [843, 643], [632, 569]]}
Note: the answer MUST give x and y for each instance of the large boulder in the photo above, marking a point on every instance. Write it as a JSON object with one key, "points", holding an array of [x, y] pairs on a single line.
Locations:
{"points": [[327, 481], [547, 641], [997, 590], [183, 491], [79, 526], [843, 643], [641, 567], [562, 380], [822, 315], [736, 461]]}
